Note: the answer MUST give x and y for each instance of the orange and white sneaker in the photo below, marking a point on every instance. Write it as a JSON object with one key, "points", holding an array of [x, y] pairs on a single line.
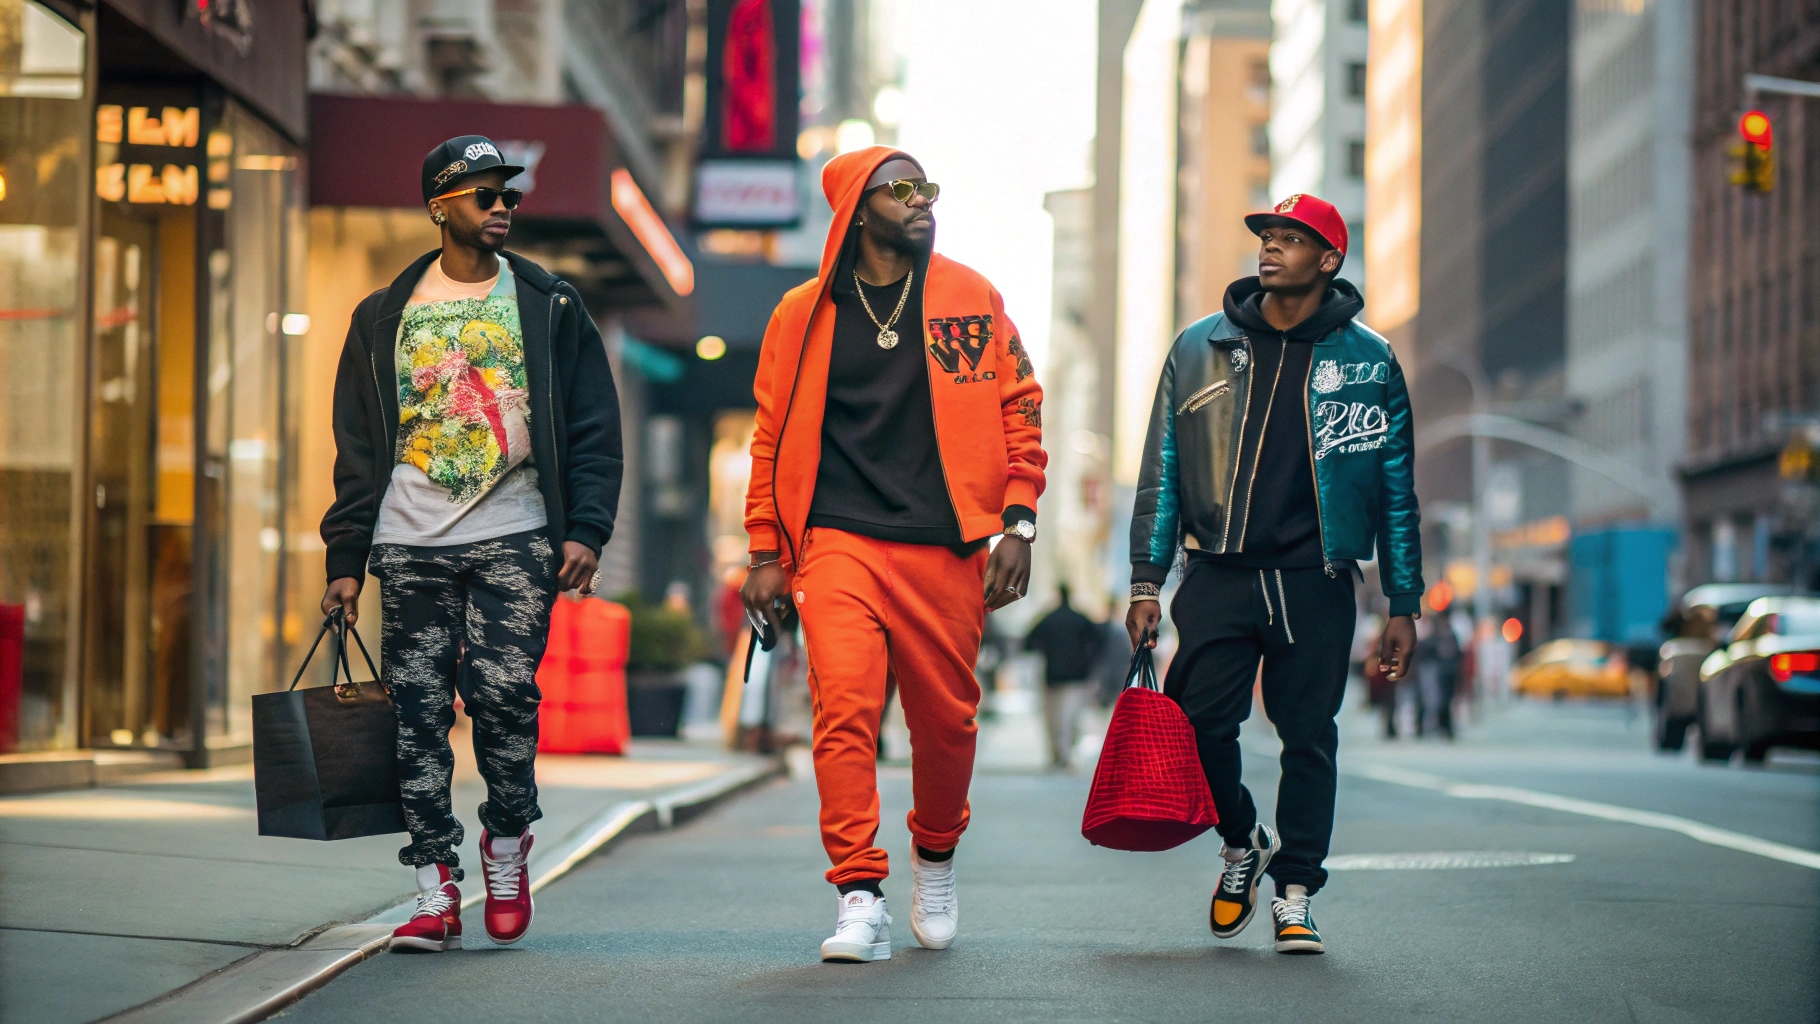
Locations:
{"points": [[1236, 900], [1295, 925], [509, 906], [436, 926]]}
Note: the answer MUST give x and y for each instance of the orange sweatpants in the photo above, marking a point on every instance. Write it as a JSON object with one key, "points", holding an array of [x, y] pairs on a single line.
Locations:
{"points": [[875, 610]]}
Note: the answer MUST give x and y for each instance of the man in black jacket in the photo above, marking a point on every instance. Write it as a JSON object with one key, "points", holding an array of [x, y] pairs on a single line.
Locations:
{"points": [[1069, 642], [477, 473]]}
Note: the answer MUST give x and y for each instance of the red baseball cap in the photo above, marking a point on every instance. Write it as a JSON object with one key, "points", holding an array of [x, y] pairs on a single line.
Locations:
{"points": [[1312, 212]]}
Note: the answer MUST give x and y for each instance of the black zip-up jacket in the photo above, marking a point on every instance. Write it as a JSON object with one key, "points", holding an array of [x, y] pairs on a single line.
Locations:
{"points": [[575, 430]]}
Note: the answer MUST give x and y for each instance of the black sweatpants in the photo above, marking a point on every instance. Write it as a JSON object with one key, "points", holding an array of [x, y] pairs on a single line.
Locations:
{"points": [[1300, 623], [474, 617]]}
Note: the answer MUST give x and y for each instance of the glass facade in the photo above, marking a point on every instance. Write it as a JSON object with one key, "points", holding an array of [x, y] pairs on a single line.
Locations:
{"points": [[260, 596], [153, 246], [43, 169]]}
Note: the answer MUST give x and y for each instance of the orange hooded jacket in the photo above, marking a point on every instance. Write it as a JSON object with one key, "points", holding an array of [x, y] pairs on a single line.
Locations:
{"points": [[988, 406]]}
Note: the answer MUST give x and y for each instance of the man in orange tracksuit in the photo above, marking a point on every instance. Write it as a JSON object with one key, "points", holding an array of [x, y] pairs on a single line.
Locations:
{"points": [[899, 430]]}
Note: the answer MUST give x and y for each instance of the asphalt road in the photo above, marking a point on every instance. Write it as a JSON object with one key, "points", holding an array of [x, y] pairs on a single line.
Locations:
{"points": [[720, 920]]}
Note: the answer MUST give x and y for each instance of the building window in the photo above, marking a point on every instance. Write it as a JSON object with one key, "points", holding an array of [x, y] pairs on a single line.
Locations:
{"points": [[1260, 194], [1355, 159], [1260, 73], [1357, 10], [1260, 140], [1355, 79]]}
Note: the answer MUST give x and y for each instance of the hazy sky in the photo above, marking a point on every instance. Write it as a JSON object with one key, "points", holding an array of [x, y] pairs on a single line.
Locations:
{"points": [[1000, 111]]}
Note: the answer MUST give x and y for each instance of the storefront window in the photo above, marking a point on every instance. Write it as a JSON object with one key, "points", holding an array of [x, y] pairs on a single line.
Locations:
{"points": [[43, 118], [254, 297]]}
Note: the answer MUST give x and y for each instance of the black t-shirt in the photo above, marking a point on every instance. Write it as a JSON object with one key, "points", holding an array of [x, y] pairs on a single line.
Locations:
{"points": [[881, 472]]}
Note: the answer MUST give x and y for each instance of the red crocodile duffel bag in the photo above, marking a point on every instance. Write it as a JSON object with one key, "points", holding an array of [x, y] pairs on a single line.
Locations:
{"points": [[1149, 792]]}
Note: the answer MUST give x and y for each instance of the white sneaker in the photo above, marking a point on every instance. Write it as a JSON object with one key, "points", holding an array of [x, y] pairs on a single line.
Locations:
{"points": [[935, 912], [862, 934]]}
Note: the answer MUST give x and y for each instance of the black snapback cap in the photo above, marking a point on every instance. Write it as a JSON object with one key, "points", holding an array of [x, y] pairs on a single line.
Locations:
{"points": [[459, 157]]}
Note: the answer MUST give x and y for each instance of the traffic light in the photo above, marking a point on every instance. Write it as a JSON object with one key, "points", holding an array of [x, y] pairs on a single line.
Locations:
{"points": [[1753, 156]]}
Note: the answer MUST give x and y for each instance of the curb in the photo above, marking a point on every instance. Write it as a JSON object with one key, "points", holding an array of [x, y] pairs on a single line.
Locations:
{"points": [[255, 987]]}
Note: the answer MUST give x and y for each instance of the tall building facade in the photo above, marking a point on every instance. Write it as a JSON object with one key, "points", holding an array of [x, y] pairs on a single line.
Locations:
{"points": [[1076, 501], [1317, 121], [1753, 298], [1629, 210], [1223, 151], [1490, 332]]}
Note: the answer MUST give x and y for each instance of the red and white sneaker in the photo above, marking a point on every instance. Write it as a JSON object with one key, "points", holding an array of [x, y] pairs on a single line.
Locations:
{"points": [[509, 906], [436, 926]]}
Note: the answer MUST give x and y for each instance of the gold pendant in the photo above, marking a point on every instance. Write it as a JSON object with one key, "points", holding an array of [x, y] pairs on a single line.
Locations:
{"points": [[887, 338]]}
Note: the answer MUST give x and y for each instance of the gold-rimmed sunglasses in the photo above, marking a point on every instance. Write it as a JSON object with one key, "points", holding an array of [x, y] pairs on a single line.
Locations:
{"points": [[486, 197], [902, 189]]}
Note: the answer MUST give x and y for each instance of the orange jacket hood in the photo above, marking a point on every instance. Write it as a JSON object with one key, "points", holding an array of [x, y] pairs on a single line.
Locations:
{"points": [[987, 403]]}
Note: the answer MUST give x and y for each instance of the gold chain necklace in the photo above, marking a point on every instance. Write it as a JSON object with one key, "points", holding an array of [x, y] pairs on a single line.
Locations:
{"points": [[887, 338]]}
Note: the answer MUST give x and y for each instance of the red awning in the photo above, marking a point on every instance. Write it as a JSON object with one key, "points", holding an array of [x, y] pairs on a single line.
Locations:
{"points": [[368, 151]]}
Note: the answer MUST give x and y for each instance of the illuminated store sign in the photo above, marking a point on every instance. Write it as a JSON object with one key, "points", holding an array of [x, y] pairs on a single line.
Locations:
{"points": [[125, 171]]}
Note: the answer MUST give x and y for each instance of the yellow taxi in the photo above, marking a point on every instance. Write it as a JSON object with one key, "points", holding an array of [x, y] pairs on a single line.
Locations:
{"points": [[1576, 668]]}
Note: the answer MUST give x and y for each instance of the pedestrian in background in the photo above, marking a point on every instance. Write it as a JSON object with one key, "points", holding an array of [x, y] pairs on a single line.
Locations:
{"points": [[477, 473], [1321, 478], [1069, 642], [1437, 672], [881, 468]]}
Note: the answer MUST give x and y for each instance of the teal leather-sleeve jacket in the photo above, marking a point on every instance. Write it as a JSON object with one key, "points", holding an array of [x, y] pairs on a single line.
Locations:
{"points": [[1361, 441]]}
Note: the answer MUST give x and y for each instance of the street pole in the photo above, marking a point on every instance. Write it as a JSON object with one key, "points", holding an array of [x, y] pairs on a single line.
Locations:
{"points": [[1481, 559], [1468, 367]]}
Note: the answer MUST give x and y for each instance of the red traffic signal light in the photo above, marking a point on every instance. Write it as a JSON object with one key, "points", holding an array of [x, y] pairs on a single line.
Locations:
{"points": [[1755, 128]]}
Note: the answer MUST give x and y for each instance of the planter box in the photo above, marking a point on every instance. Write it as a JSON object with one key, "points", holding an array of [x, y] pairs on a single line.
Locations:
{"points": [[654, 703]]}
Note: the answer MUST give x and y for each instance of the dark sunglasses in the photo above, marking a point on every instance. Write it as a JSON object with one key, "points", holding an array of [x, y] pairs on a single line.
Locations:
{"points": [[903, 189], [486, 197]]}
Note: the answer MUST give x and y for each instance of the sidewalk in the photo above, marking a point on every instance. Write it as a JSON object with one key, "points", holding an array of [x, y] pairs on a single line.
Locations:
{"points": [[114, 896]]}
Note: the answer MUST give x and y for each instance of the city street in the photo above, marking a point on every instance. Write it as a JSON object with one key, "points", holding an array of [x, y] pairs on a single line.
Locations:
{"points": [[720, 920]]}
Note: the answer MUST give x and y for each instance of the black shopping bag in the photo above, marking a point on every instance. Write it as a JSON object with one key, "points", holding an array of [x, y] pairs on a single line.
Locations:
{"points": [[325, 758]]}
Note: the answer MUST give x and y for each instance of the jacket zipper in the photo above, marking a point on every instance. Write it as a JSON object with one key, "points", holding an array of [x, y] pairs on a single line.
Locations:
{"points": [[385, 428], [549, 388], [933, 421], [1258, 455], [1232, 486], [1320, 517]]}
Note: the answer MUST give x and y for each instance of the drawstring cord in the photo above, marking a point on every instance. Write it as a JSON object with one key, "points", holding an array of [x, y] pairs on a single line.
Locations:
{"points": [[1283, 599], [1270, 612]]}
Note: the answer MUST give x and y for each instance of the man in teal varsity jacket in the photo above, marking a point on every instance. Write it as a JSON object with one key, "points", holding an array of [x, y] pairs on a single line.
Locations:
{"points": [[1280, 453]]}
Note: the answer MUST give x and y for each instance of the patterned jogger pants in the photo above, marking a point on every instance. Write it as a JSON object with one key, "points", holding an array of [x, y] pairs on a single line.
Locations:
{"points": [[474, 617]]}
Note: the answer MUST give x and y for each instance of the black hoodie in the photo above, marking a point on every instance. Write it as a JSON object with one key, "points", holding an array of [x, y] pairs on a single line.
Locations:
{"points": [[1282, 528]]}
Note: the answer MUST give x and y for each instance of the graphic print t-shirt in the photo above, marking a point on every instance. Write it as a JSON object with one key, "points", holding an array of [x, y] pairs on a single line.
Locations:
{"points": [[462, 470]]}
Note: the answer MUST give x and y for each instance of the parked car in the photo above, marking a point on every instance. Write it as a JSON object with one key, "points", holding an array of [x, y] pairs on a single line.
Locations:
{"points": [[1699, 623], [1576, 668], [1762, 689]]}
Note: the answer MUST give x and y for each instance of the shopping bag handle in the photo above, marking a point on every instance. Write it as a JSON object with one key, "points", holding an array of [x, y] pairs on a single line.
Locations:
{"points": [[337, 622], [1143, 667]]}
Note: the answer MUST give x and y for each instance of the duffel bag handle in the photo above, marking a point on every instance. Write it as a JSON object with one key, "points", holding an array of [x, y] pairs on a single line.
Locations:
{"points": [[1143, 667]]}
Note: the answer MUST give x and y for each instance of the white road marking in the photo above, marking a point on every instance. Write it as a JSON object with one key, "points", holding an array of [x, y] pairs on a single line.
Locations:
{"points": [[1441, 861], [1610, 812]]}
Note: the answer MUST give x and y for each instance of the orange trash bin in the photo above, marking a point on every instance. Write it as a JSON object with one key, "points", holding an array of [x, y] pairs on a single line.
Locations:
{"points": [[583, 678]]}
